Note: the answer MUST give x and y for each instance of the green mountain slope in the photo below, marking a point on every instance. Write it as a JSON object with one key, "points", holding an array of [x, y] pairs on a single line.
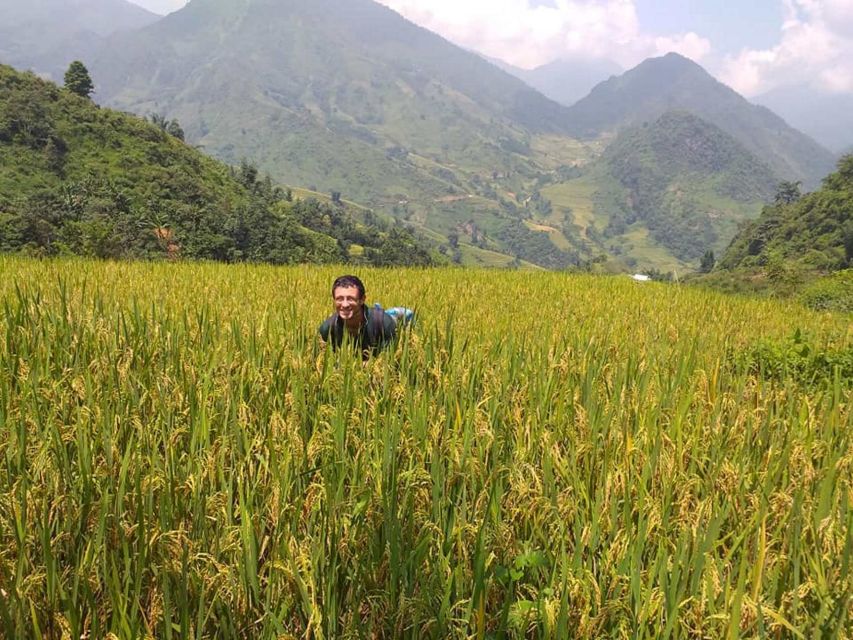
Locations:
{"points": [[75, 178], [344, 89], [664, 193], [46, 35], [686, 180], [346, 95], [673, 82], [814, 233], [801, 249]]}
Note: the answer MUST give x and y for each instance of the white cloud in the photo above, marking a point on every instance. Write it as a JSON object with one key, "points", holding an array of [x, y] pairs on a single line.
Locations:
{"points": [[815, 49], [529, 34]]}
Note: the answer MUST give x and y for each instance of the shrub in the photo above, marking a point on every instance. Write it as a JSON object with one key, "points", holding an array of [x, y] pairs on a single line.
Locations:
{"points": [[832, 293]]}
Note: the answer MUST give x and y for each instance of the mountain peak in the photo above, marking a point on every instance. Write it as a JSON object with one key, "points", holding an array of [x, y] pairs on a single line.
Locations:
{"points": [[672, 81]]}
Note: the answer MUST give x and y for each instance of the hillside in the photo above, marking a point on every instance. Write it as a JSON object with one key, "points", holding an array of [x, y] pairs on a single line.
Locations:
{"points": [[335, 84], [46, 35], [75, 178], [684, 179], [663, 193], [814, 233], [802, 248], [348, 96], [673, 82]]}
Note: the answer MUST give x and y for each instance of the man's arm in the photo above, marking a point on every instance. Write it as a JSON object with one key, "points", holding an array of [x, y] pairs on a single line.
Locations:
{"points": [[325, 330], [389, 328]]}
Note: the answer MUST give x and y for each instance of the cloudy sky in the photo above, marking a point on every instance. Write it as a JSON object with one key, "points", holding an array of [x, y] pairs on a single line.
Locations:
{"points": [[754, 45]]}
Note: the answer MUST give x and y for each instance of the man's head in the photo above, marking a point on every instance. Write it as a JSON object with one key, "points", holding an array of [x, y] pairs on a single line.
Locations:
{"points": [[348, 295]]}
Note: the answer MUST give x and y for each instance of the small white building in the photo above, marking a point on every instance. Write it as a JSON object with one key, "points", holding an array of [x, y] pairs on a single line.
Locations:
{"points": [[641, 277]]}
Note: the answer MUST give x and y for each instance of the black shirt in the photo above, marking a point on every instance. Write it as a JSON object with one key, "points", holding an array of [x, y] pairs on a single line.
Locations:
{"points": [[373, 336]]}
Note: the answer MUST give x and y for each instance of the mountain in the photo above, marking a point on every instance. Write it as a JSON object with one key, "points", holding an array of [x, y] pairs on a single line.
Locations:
{"points": [[46, 35], [674, 82], [826, 117], [664, 192], [814, 232], [565, 80], [79, 179], [346, 95]]}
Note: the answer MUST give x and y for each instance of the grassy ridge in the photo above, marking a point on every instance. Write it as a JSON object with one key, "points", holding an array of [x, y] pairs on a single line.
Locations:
{"points": [[181, 460]]}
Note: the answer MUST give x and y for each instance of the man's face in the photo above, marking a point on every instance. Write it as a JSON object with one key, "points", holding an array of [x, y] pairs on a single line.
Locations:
{"points": [[348, 302]]}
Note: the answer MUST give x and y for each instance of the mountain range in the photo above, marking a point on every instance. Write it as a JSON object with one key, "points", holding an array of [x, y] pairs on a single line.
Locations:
{"points": [[347, 96], [674, 82]]}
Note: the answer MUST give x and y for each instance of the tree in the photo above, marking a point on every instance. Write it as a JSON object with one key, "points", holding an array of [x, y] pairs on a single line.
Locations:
{"points": [[175, 130], [172, 127], [78, 80], [706, 265], [788, 192]]}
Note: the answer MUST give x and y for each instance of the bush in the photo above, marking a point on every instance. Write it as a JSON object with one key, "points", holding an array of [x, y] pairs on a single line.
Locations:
{"points": [[832, 293], [797, 359]]}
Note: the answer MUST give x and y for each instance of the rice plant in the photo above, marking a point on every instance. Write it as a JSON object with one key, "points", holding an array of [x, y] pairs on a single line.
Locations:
{"points": [[544, 456]]}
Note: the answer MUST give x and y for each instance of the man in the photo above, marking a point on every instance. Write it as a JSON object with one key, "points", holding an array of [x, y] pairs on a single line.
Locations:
{"points": [[370, 329]]}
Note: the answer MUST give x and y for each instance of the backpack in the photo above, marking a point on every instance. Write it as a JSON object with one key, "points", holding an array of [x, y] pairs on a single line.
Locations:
{"points": [[402, 315]]}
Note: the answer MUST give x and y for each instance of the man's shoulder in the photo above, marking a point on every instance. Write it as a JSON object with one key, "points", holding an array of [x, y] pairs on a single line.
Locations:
{"points": [[380, 322]]}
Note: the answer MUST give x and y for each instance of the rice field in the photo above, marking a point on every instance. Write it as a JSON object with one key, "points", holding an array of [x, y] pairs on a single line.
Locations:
{"points": [[544, 456]]}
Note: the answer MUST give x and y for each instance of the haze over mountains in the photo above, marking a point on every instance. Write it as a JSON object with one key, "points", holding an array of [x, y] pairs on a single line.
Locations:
{"points": [[45, 35], [565, 81], [826, 117], [346, 95]]}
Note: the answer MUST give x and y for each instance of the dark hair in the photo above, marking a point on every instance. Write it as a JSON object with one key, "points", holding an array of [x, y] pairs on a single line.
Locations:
{"points": [[349, 281]]}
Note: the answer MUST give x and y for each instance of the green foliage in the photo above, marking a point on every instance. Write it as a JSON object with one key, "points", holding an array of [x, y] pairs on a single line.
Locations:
{"points": [[533, 246], [78, 81], [788, 192], [812, 234], [832, 293], [76, 179], [677, 176], [799, 359]]}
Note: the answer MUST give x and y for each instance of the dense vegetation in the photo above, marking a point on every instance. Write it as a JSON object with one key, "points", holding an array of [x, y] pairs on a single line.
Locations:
{"points": [[802, 245], [181, 460], [682, 177], [78, 179], [815, 232]]}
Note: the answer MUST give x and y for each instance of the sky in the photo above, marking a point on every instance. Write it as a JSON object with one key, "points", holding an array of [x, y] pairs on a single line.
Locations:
{"points": [[752, 45]]}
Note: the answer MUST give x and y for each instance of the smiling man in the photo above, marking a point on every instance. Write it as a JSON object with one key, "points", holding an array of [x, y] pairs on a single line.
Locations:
{"points": [[371, 330]]}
